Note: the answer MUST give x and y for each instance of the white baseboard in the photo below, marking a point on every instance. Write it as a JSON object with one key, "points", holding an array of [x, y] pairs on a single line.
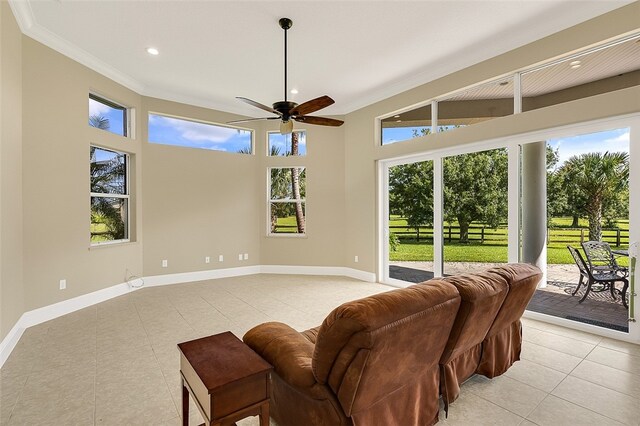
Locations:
{"points": [[46, 313], [319, 270], [212, 274], [11, 340]]}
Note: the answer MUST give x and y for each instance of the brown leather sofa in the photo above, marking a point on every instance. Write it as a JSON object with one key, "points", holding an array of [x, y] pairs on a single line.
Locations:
{"points": [[385, 359]]}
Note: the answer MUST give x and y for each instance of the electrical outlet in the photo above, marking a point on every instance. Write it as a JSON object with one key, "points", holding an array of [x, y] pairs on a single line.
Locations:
{"points": [[207, 259], [356, 259], [246, 256], [240, 256], [63, 284], [165, 263], [221, 258]]}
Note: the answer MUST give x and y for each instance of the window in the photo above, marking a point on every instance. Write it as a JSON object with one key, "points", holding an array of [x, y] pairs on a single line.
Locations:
{"points": [[294, 143], [287, 189], [109, 196], [406, 125], [478, 104], [195, 134], [107, 115]]}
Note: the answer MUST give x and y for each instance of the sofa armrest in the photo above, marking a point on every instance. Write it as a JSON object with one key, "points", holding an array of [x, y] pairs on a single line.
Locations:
{"points": [[287, 350]]}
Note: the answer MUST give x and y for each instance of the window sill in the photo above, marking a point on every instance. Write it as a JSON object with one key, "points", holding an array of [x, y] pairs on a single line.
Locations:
{"points": [[283, 235], [118, 243]]}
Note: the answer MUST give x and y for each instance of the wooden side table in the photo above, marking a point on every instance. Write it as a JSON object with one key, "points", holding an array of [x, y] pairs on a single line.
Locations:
{"points": [[227, 380]]}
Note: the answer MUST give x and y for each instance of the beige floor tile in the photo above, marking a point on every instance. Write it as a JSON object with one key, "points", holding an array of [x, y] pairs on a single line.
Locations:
{"points": [[472, 410], [608, 377], [562, 344], [59, 396], [630, 348], [506, 392], [619, 360], [554, 411], [562, 331], [549, 357], [607, 402], [536, 375]]}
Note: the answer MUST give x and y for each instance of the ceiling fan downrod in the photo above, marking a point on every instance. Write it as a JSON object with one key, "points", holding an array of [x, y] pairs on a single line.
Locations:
{"points": [[285, 24]]}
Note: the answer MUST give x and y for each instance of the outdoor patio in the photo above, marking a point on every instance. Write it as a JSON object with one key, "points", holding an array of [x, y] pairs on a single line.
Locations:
{"points": [[555, 299]]}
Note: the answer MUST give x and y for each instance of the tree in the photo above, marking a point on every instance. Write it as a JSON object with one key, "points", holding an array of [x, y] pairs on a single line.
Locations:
{"points": [[295, 184], [99, 121], [411, 192], [601, 179], [475, 189]]}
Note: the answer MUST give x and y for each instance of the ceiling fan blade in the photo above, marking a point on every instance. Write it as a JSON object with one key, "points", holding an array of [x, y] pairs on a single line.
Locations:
{"points": [[312, 106], [258, 105], [252, 119], [322, 121]]}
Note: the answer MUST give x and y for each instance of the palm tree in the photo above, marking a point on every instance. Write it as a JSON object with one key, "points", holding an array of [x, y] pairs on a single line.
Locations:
{"points": [[600, 177], [295, 184], [99, 121]]}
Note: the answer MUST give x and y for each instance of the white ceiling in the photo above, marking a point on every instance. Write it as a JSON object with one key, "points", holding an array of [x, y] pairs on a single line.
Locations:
{"points": [[357, 52]]}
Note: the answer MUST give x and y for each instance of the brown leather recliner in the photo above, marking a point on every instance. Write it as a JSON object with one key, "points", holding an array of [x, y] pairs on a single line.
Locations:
{"points": [[372, 361], [482, 295], [501, 347]]}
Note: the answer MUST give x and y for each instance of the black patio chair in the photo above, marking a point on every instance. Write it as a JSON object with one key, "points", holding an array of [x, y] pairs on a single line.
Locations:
{"points": [[601, 259], [606, 278]]}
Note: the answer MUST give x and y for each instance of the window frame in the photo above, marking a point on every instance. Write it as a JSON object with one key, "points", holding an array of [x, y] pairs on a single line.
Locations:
{"points": [[126, 114], [270, 200], [126, 196]]}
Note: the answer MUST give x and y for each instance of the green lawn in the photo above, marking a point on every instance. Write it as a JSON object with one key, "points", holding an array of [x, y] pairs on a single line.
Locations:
{"points": [[494, 248]]}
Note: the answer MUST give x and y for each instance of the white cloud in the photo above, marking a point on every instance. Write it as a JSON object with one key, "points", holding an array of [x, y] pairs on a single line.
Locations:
{"points": [[199, 132], [578, 145], [96, 108]]}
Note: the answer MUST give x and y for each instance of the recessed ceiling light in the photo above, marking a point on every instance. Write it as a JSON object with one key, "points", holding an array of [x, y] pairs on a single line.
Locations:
{"points": [[398, 121], [396, 116], [576, 66], [573, 63], [294, 91], [152, 51]]}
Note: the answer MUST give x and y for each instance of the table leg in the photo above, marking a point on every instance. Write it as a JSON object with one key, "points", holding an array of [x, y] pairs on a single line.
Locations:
{"points": [[264, 414], [185, 404]]}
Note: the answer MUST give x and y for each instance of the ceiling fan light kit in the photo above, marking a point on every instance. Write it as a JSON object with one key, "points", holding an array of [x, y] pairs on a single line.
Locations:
{"points": [[286, 111]]}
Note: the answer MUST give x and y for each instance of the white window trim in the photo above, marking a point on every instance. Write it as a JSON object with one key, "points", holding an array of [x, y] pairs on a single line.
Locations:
{"points": [[283, 200], [126, 196]]}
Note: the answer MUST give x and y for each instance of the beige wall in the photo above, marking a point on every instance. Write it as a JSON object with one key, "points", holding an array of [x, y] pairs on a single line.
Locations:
{"points": [[198, 202], [11, 280], [360, 134], [56, 139]]}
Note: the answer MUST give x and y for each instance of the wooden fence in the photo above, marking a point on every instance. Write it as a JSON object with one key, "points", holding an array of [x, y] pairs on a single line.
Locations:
{"points": [[615, 237]]}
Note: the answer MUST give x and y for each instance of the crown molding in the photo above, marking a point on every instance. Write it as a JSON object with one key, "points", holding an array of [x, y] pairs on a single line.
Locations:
{"points": [[30, 27]]}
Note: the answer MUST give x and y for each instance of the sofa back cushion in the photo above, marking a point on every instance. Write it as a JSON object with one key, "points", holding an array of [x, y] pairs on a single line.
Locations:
{"points": [[369, 348], [482, 295], [523, 280]]}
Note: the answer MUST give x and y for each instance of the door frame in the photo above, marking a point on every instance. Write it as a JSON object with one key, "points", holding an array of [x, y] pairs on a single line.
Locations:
{"points": [[513, 145]]}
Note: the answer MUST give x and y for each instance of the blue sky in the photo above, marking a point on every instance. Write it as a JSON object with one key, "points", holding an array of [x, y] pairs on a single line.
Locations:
{"points": [[174, 131], [114, 115], [397, 134], [616, 140], [283, 142]]}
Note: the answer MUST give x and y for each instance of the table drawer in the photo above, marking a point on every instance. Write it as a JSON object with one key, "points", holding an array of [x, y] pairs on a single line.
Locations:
{"points": [[239, 395]]}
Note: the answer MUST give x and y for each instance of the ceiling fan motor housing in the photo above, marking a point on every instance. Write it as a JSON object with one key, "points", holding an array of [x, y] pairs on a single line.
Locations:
{"points": [[284, 108]]}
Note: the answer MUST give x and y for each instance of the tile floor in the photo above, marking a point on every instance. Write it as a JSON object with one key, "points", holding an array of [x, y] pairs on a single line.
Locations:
{"points": [[117, 363]]}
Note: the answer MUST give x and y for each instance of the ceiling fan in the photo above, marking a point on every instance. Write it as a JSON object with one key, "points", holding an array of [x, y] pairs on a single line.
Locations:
{"points": [[287, 111]]}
